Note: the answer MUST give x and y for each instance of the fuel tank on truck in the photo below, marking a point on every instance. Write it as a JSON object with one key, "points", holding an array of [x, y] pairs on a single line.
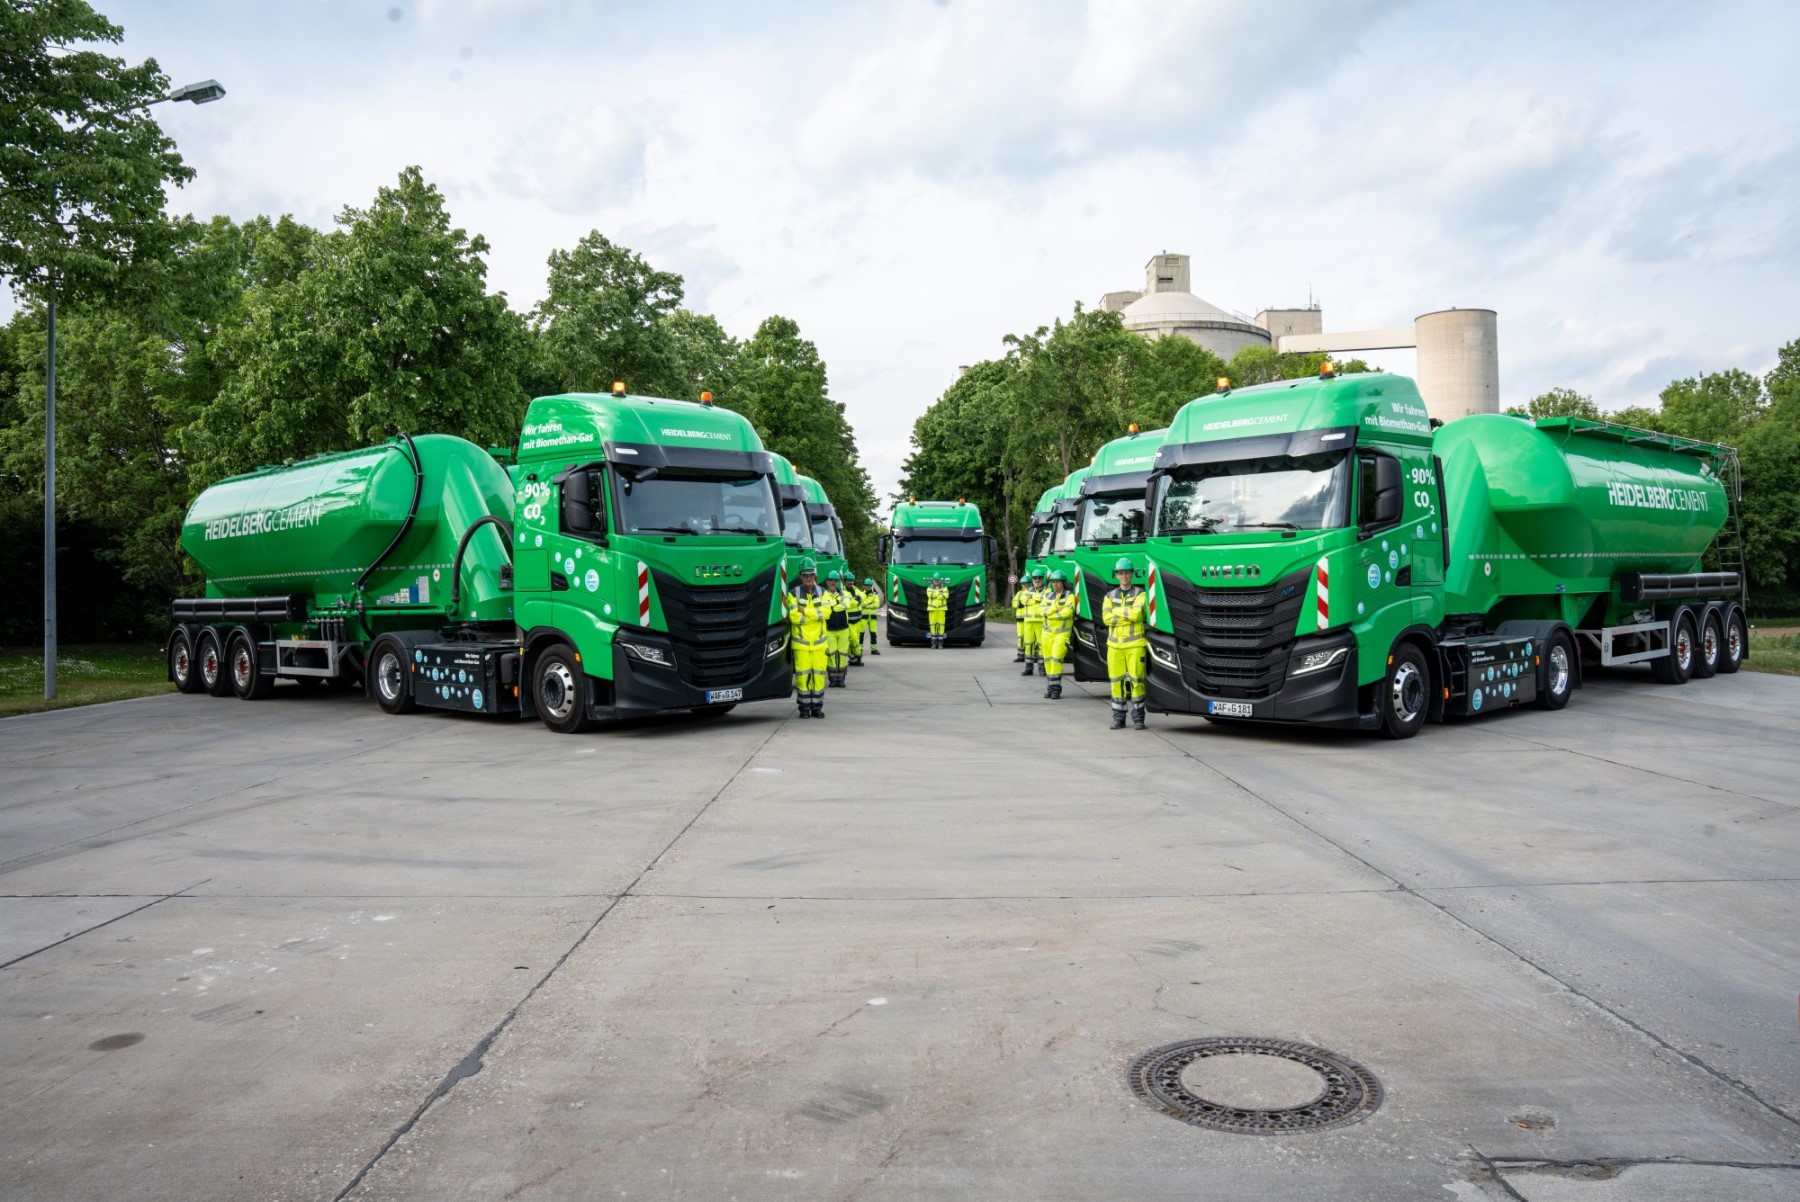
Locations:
{"points": [[316, 526], [1563, 505]]}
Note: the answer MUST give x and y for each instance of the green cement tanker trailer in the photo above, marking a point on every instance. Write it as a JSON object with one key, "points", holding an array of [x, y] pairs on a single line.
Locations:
{"points": [[625, 564], [1322, 553]]}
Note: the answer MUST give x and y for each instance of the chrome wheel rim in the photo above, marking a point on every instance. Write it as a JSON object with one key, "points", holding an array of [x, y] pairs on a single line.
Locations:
{"points": [[387, 676], [183, 664], [1408, 692], [556, 691], [1709, 644], [1734, 643], [242, 670], [209, 665], [1684, 649], [1559, 670]]}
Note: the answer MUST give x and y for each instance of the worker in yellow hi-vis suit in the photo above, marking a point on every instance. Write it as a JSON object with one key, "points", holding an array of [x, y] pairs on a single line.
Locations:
{"points": [[806, 609], [1122, 613], [1021, 607], [937, 606], [837, 630], [853, 604], [1034, 622], [1056, 606], [872, 614]]}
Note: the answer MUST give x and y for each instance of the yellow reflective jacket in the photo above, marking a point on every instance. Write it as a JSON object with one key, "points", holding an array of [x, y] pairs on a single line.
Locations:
{"points": [[1058, 612], [806, 614], [871, 603], [1025, 604], [937, 597], [1122, 613]]}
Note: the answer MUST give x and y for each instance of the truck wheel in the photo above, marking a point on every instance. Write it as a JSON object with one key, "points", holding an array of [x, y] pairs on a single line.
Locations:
{"points": [[1737, 641], [240, 660], [209, 658], [1710, 648], [1678, 664], [183, 667], [1559, 673], [560, 690], [1405, 693], [390, 677]]}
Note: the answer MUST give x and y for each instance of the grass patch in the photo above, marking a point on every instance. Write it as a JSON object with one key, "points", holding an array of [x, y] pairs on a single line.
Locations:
{"points": [[85, 674], [1777, 653]]}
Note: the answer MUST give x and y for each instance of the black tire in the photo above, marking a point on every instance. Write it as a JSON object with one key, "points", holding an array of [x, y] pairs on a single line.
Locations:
{"points": [[182, 664], [1710, 648], [1405, 693], [1558, 683], [1737, 642], [390, 677], [1678, 665], [559, 690], [247, 681], [209, 658]]}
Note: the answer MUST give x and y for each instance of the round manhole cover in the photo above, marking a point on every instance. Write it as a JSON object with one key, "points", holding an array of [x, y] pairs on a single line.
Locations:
{"points": [[1168, 1078]]}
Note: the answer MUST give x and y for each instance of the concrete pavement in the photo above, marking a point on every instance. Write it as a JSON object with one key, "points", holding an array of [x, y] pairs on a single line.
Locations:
{"points": [[302, 950]]}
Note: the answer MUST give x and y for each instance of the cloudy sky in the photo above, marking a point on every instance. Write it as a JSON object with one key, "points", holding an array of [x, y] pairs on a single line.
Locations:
{"points": [[912, 180]]}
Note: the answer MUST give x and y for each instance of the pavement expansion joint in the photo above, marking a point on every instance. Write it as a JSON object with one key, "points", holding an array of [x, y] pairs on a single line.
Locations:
{"points": [[116, 918]]}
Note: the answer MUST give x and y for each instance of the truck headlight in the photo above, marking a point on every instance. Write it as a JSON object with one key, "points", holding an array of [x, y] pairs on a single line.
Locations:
{"points": [[1087, 640], [1165, 658], [1318, 661], [974, 615], [776, 646], [644, 653]]}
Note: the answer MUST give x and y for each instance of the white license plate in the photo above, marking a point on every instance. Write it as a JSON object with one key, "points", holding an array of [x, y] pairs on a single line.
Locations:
{"points": [[1229, 709], [714, 696]]}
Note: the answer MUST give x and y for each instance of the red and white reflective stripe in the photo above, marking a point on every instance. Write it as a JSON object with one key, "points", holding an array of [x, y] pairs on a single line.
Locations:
{"points": [[1150, 589], [643, 593], [975, 592], [1324, 574], [784, 583]]}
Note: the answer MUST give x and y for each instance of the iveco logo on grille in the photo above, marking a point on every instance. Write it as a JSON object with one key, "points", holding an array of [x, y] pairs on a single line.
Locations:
{"points": [[718, 571], [1232, 570]]}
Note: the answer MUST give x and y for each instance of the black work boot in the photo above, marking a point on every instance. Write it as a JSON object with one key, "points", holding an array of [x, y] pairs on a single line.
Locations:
{"points": [[1020, 657], [1137, 716], [1049, 692], [1118, 721], [1027, 671], [1056, 691]]}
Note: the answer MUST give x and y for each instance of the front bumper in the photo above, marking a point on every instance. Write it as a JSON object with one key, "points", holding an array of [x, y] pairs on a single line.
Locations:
{"points": [[902, 629], [640, 689], [1328, 697]]}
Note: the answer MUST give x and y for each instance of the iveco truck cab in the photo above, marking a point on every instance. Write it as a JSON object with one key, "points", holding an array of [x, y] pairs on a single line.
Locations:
{"points": [[796, 527], [827, 531], [936, 538], [1109, 525]]}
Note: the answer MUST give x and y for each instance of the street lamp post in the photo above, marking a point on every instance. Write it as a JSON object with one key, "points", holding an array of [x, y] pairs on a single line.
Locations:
{"points": [[204, 92]]}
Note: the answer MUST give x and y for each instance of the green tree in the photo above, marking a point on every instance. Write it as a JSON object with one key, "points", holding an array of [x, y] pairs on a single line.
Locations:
{"points": [[1716, 407], [1559, 402], [602, 320], [82, 165], [1264, 365], [1170, 373], [385, 326], [781, 387], [960, 443], [706, 357]]}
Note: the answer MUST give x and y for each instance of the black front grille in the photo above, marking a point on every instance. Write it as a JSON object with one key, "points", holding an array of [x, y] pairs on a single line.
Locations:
{"points": [[718, 632], [1096, 599], [1234, 642], [914, 604]]}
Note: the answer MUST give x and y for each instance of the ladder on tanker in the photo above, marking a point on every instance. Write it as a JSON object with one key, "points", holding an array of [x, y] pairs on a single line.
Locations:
{"points": [[1728, 547]]}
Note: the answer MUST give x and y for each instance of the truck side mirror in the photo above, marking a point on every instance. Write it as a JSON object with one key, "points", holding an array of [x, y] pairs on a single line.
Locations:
{"points": [[577, 504], [881, 550], [1381, 501], [993, 550]]}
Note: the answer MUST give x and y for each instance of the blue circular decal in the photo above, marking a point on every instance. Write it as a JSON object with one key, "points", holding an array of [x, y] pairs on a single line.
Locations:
{"points": [[1374, 575], [1393, 559], [477, 698], [1475, 701]]}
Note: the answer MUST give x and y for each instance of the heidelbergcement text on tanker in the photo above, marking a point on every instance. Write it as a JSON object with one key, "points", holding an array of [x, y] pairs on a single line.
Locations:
{"points": [[266, 521], [1655, 496]]}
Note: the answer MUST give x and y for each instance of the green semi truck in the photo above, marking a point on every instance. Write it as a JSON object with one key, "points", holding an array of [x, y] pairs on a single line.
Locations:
{"points": [[827, 530], [1322, 552], [936, 538], [625, 562], [796, 527], [1040, 527], [1109, 525]]}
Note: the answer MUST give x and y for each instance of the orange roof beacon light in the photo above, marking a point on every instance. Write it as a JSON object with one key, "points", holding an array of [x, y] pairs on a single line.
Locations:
{"points": [[618, 388], [1132, 428], [1224, 383], [706, 399], [1327, 369]]}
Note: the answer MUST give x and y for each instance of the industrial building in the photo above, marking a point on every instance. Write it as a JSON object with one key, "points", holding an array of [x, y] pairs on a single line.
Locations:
{"points": [[1458, 349]]}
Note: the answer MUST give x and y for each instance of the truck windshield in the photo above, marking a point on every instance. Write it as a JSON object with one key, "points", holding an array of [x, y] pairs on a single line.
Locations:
{"points": [[794, 527], [1037, 543], [1111, 519], [1282, 492], [692, 503], [1062, 539], [962, 551], [824, 536]]}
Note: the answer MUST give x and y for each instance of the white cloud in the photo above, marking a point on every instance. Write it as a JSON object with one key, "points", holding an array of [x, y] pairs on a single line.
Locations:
{"points": [[912, 181]]}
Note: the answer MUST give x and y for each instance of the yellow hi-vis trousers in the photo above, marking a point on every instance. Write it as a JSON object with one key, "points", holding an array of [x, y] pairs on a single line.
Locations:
{"points": [[1055, 645], [837, 649], [937, 619], [1125, 666], [809, 669]]}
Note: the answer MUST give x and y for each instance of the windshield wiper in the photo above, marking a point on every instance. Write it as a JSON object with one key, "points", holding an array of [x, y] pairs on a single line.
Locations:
{"points": [[1265, 526], [661, 530], [1211, 524], [738, 530]]}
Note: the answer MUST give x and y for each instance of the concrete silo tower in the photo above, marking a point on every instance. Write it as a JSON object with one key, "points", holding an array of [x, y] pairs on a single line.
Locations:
{"points": [[1459, 362]]}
